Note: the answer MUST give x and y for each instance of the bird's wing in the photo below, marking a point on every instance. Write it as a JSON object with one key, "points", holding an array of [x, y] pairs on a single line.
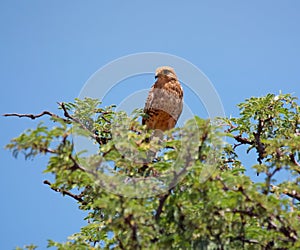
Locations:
{"points": [[148, 104]]}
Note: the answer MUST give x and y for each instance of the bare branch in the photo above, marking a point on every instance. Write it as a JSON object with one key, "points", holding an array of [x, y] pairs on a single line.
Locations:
{"points": [[65, 192], [48, 150], [242, 140], [32, 116]]}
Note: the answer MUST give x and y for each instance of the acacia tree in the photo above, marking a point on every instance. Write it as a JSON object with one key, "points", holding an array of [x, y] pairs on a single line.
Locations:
{"points": [[189, 192]]}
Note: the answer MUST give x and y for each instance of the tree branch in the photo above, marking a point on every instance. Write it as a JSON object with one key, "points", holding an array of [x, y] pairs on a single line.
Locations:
{"points": [[132, 225], [161, 204], [293, 160], [291, 193], [67, 115], [243, 239], [260, 147], [242, 140], [65, 192], [286, 230], [32, 116]]}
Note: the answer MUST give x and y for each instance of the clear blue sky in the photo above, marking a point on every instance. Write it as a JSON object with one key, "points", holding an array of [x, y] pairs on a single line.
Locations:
{"points": [[50, 48]]}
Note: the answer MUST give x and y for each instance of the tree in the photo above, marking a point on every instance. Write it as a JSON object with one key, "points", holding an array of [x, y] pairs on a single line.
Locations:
{"points": [[193, 194]]}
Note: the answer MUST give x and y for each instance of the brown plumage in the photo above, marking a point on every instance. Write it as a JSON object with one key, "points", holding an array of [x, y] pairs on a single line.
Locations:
{"points": [[165, 99]]}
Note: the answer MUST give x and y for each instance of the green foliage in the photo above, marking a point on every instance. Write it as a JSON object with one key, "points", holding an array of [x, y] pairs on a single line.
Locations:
{"points": [[29, 247], [270, 125], [186, 190]]}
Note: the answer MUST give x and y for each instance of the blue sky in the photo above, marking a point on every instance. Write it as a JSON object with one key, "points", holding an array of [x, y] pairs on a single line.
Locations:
{"points": [[50, 48]]}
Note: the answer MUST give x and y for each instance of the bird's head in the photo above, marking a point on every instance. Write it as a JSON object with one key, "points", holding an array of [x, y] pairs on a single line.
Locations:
{"points": [[165, 72]]}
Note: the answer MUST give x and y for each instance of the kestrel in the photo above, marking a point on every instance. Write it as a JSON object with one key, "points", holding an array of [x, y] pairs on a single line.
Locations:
{"points": [[165, 99]]}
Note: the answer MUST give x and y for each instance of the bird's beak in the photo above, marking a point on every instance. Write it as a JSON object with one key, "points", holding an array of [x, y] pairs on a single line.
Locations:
{"points": [[156, 76]]}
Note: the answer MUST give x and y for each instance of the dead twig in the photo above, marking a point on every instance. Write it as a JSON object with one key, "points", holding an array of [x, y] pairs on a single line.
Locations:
{"points": [[32, 116]]}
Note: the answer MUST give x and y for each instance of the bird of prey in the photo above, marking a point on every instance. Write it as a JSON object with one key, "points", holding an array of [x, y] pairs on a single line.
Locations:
{"points": [[164, 103]]}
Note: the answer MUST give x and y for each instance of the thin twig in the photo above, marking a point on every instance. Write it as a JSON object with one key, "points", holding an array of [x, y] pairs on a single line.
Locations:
{"points": [[32, 116], [65, 192]]}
